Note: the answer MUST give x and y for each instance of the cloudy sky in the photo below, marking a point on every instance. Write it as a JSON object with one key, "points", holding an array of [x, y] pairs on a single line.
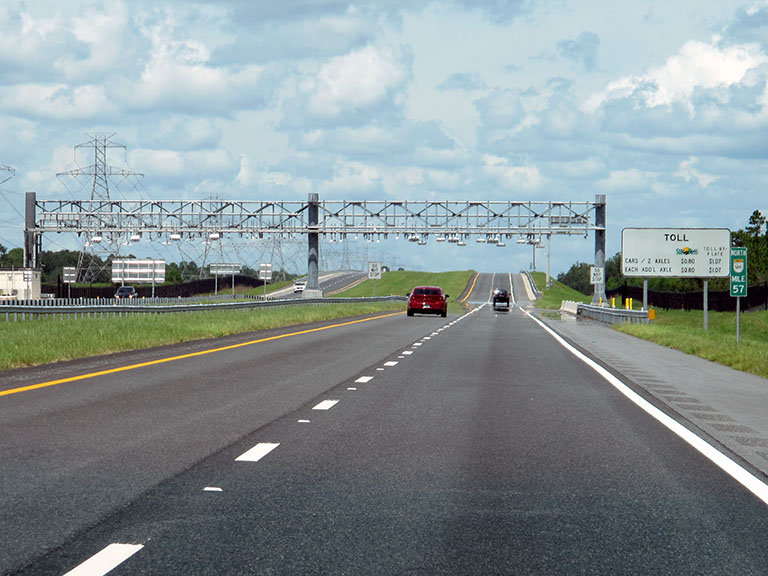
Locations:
{"points": [[660, 105]]}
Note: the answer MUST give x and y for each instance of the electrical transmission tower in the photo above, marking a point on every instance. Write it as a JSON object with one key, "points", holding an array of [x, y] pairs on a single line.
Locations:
{"points": [[92, 262]]}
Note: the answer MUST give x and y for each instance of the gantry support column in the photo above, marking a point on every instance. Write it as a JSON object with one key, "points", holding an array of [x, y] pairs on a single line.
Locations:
{"points": [[312, 289], [31, 237], [599, 294]]}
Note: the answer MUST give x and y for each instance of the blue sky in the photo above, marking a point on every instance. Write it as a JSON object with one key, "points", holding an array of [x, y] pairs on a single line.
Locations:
{"points": [[660, 105]]}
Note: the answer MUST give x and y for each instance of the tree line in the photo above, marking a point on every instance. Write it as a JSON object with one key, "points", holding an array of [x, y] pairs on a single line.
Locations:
{"points": [[754, 236]]}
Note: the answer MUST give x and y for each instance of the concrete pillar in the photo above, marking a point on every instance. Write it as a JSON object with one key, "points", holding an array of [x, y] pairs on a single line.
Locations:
{"points": [[313, 241], [599, 293]]}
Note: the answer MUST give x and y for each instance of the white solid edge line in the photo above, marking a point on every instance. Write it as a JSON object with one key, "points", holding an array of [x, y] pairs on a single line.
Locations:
{"points": [[257, 452], [106, 560], [726, 464]]}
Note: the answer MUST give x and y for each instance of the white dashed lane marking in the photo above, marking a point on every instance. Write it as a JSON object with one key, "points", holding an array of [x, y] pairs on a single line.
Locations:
{"points": [[106, 560], [364, 379], [391, 363], [326, 405], [257, 452]]}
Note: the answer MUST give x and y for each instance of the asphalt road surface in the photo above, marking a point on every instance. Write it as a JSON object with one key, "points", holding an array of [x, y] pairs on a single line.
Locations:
{"points": [[473, 444]]}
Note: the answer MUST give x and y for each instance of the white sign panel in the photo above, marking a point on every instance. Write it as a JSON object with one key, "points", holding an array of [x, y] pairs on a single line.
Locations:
{"points": [[138, 271], [265, 271], [597, 274], [69, 274], [676, 252], [374, 270], [224, 268]]}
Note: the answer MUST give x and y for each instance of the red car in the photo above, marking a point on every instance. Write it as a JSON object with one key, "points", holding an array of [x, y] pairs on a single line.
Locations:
{"points": [[428, 300]]}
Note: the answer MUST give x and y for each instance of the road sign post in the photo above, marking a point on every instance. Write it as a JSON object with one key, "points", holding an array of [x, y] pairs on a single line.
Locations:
{"points": [[265, 274], [738, 283], [69, 274]]}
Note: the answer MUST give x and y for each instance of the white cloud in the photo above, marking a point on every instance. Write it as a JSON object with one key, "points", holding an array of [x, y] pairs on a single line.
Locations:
{"points": [[57, 101], [354, 82], [106, 44], [688, 173], [353, 178], [189, 166], [510, 176], [698, 66]]}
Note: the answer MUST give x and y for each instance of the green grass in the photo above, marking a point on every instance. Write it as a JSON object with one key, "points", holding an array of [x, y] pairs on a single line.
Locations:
{"points": [[49, 339], [401, 282], [552, 297], [684, 331]]}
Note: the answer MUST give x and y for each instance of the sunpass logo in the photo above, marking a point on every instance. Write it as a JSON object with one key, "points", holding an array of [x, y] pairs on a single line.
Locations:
{"points": [[687, 251]]}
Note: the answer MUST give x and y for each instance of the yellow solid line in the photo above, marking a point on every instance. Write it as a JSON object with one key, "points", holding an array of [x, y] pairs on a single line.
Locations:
{"points": [[470, 288], [181, 357]]}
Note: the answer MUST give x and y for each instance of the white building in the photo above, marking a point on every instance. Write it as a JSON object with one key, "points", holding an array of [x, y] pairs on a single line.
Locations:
{"points": [[20, 284]]}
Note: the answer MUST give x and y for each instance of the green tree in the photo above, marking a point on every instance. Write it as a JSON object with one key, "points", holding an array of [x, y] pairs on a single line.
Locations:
{"points": [[13, 258], [577, 278]]}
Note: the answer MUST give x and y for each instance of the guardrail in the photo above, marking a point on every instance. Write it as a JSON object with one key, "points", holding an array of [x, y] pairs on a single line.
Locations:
{"points": [[138, 301], [605, 313], [531, 283], [107, 309]]}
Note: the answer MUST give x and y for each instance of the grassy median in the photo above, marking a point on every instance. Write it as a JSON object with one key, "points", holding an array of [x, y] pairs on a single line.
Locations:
{"points": [[50, 339]]}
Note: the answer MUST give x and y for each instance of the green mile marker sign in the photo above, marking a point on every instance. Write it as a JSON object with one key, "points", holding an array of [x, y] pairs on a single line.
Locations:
{"points": [[738, 271]]}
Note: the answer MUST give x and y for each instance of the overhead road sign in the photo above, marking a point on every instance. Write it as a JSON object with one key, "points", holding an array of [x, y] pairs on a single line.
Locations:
{"points": [[675, 252]]}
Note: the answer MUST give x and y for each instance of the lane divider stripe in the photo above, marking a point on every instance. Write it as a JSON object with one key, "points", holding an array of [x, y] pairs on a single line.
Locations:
{"points": [[326, 405], [474, 280], [184, 356], [257, 452], [106, 560]]}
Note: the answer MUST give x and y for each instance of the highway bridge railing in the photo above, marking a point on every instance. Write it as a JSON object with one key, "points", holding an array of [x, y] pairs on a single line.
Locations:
{"points": [[606, 313], [109, 308]]}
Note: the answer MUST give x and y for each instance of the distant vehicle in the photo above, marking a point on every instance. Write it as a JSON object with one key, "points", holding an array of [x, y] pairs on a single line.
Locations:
{"points": [[125, 292], [427, 300], [500, 299], [299, 286]]}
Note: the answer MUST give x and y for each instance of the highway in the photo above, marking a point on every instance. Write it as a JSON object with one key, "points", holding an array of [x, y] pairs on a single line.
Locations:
{"points": [[473, 444]]}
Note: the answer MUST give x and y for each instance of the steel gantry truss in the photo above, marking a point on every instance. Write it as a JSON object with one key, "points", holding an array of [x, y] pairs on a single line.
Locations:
{"points": [[378, 217], [451, 220]]}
